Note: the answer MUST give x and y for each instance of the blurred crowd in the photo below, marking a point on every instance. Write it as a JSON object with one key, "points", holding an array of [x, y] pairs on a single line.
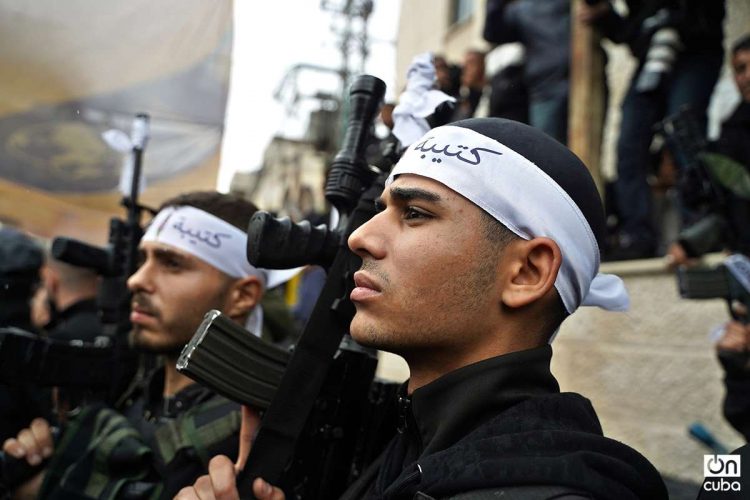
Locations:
{"points": [[526, 77]]}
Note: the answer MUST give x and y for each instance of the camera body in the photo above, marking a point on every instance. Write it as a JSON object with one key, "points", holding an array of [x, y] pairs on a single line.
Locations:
{"points": [[662, 49]]}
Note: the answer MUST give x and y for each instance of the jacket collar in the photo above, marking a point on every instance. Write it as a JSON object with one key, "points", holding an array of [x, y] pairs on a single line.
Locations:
{"points": [[448, 408]]}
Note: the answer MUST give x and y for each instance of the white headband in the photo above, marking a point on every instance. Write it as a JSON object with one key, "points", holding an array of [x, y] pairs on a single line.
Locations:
{"points": [[215, 242], [523, 198]]}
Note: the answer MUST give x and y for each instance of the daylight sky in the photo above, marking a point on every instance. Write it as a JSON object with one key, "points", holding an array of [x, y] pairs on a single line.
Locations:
{"points": [[267, 42]]}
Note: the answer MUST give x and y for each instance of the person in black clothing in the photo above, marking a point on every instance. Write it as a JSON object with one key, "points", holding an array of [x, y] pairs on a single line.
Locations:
{"points": [[71, 296], [678, 45], [543, 27], [487, 238], [729, 227], [21, 259], [159, 436]]}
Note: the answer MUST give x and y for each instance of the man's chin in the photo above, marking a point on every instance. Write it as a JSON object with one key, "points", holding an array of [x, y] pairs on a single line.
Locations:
{"points": [[367, 335], [143, 341]]}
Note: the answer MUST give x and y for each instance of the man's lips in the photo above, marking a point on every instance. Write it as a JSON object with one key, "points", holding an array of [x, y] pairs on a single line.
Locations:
{"points": [[140, 315], [364, 287]]}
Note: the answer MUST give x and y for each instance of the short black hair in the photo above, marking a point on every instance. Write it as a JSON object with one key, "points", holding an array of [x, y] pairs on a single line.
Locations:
{"points": [[230, 208], [496, 232], [742, 44]]}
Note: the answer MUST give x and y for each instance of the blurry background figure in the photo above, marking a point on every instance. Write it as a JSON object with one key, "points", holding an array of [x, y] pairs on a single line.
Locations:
{"points": [[20, 262], [725, 224], [473, 85], [386, 114], [679, 50], [543, 27], [71, 298], [69, 294], [509, 96], [21, 259], [41, 311], [448, 76]]}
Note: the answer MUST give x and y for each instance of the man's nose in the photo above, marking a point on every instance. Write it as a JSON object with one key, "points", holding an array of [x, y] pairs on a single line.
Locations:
{"points": [[367, 240], [139, 280]]}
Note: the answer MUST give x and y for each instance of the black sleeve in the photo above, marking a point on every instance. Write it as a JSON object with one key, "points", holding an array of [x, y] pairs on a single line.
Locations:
{"points": [[737, 398], [612, 25], [500, 23]]}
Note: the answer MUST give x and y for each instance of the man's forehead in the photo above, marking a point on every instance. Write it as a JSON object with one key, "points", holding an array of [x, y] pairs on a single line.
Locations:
{"points": [[164, 248]]}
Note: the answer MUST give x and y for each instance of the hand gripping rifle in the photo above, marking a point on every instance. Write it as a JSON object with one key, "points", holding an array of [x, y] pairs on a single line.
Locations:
{"points": [[103, 368], [310, 440]]}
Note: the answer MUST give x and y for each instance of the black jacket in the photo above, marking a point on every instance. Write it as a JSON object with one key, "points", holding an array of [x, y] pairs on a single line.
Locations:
{"points": [[501, 425], [79, 321], [543, 27], [700, 24]]}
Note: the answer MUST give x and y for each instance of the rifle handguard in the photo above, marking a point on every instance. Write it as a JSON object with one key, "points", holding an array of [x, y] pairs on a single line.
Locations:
{"points": [[233, 362]]}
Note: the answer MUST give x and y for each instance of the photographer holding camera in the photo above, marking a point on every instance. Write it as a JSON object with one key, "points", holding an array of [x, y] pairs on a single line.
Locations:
{"points": [[161, 435], [727, 224], [678, 45], [487, 238]]}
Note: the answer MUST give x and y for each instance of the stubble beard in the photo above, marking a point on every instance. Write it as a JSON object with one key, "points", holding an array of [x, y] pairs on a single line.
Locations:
{"points": [[424, 334], [169, 348]]}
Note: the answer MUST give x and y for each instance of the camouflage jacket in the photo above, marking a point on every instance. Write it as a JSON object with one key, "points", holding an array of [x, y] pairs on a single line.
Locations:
{"points": [[151, 448]]}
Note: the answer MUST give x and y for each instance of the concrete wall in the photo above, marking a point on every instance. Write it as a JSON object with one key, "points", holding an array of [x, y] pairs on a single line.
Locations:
{"points": [[650, 372]]}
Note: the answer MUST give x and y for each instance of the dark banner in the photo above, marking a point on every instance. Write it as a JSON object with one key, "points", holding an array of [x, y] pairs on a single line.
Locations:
{"points": [[77, 68]]}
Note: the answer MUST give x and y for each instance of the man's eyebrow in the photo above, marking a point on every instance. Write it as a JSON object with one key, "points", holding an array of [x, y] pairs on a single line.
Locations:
{"points": [[165, 253], [408, 194]]}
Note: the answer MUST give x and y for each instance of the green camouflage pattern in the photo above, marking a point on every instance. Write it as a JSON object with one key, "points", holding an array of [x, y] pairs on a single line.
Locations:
{"points": [[101, 455], [97, 456], [730, 174]]}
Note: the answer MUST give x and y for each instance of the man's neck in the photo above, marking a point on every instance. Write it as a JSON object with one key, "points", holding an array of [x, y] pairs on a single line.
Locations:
{"points": [[65, 300], [174, 381]]}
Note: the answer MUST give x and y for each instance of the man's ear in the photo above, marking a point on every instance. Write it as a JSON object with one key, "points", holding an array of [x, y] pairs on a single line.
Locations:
{"points": [[244, 294], [531, 270]]}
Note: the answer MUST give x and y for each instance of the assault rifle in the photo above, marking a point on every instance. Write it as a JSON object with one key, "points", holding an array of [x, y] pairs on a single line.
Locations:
{"points": [[317, 400], [729, 281], [102, 369], [47, 362]]}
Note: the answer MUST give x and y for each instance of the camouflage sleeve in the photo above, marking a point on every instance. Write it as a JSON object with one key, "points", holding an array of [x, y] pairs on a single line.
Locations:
{"points": [[186, 444], [100, 455]]}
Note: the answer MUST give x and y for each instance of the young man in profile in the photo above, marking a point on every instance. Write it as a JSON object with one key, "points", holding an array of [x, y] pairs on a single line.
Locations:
{"points": [[488, 237], [165, 431]]}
